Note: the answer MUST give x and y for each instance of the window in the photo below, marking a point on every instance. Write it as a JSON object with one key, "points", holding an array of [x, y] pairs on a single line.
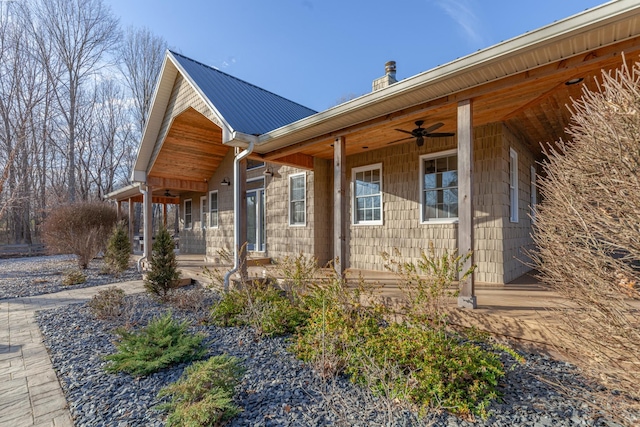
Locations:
{"points": [[187, 214], [203, 212], [534, 194], [213, 209], [513, 185], [439, 186], [254, 164], [298, 199], [366, 184]]}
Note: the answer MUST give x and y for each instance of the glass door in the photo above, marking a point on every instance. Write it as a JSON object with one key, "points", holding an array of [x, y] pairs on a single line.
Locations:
{"points": [[255, 220]]}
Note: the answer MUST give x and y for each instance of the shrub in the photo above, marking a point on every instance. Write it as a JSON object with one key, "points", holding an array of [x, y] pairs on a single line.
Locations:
{"points": [[81, 229], [203, 396], [163, 342], [107, 303], [260, 306], [116, 257], [586, 232], [163, 275], [74, 277], [298, 273]]}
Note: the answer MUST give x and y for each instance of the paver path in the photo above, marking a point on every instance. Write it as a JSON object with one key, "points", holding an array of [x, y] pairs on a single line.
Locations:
{"points": [[30, 394]]}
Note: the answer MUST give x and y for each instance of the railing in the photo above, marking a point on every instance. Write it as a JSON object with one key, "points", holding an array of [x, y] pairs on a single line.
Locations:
{"points": [[22, 250]]}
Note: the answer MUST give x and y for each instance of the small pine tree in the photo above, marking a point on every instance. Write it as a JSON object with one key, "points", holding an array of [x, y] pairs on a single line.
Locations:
{"points": [[118, 250], [163, 275]]}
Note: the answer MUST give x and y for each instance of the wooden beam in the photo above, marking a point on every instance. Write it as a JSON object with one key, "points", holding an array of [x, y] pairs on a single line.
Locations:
{"points": [[178, 184], [298, 160], [131, 215], [339, 204], [467, 298]]}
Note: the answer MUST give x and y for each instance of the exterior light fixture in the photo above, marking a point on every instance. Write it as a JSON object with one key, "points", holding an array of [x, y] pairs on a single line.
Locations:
{"points": [[573, 81], [267, 172], [225, 181]]}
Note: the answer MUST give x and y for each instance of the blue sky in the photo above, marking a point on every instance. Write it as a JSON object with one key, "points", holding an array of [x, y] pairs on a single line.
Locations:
{"points": [[317, 52]]}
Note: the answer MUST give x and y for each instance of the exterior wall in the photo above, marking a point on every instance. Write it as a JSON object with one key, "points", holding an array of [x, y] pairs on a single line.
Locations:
{"points": [[401, 227], [517, 236]]}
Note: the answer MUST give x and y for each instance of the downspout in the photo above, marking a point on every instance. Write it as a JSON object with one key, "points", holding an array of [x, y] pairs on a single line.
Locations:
{"points": [[143, 190], [237, 196]]}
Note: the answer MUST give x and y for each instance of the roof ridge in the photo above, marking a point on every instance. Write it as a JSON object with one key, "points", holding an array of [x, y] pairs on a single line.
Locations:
{"points": [[240, 80]]}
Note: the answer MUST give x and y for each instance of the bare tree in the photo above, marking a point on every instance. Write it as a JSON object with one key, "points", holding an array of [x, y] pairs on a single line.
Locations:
{"points": [[74, 36], [142, 54]]}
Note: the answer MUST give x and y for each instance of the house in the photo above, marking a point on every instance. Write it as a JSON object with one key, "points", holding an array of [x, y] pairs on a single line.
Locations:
{"points": [[446, 157]]}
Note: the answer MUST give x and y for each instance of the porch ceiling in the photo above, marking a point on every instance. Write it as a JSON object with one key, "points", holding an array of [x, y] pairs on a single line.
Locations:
{"points": [[191, 152], [533, 104]]}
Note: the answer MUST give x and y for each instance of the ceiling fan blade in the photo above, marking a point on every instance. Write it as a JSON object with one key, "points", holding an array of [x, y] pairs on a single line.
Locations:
{"points": [[401, 139], [433, 127], [439, 134], [405, 131]]}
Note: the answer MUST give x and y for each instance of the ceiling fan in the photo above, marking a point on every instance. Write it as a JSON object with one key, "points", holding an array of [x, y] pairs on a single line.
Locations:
{"points": [[421, 133], [168, 194]]}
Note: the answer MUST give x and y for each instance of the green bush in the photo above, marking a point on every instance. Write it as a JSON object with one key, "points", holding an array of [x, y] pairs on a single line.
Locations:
{"points": [[81, 229], [203, 396], [163, 342], [163, 275], [116, 256], [74, 277], [260, 306], [107, 303]]}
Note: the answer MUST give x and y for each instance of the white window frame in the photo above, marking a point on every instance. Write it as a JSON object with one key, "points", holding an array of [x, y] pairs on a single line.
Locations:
{"points": [[214, 212], [203, 212], [256, 166], [354, 216], [438, 155], [302, 175], [534, 193], [188, 224], [513, 185]]}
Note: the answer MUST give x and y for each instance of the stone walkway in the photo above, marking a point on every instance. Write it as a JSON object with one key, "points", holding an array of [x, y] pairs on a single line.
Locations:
{"points": [[30, 394]]}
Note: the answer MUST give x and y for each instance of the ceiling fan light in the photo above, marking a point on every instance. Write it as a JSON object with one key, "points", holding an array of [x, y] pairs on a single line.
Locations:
{"points": [[420, 141]]}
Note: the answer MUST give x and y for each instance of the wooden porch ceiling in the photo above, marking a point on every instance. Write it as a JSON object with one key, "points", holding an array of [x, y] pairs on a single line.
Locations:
{"points": [[533, 104], [190, 154]]}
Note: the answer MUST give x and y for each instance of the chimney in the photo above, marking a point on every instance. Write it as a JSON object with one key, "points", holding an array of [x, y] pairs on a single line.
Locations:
{"points": [[388, 79]]}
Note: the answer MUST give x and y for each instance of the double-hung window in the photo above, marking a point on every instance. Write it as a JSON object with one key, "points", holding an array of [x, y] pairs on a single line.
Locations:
{"points": [[213, 209], [188, 215], [439, 186], [513, 185], [298, 199], [366, 184]]}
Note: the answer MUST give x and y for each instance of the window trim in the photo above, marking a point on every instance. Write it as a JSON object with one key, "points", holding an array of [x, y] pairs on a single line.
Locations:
{"points": [[203, 223], [184, 215], [258, 166], [211, 211], [513, 186], [354, 212], [436, 155], [304, 182]]}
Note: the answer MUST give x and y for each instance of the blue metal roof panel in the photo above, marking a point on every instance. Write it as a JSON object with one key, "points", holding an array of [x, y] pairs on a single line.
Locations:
{"points": [[246, 107]]}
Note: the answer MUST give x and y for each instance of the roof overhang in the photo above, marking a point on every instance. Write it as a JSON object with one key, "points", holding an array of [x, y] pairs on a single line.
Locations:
{"points": [[580, 34]]}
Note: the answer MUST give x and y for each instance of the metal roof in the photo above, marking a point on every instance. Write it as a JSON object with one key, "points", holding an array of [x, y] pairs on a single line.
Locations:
{"points": [[245, 107]]}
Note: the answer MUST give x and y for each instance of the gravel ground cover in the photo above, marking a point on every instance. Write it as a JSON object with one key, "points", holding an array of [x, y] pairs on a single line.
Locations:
{"points": [[277, 389], [24, 277]]}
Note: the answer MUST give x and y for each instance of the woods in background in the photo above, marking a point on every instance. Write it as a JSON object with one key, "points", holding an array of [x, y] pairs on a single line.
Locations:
{"points": [[75, 90]]}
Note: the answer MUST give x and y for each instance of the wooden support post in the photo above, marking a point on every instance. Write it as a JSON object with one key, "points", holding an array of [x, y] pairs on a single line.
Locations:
{"points": [[242, 241], [131, 221], [164, 214], [340, 220], [119, 210], [148, 222], [467, 298]]}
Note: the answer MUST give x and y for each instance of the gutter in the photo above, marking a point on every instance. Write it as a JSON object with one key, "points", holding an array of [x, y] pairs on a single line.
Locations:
{"points": [[237, 139]]}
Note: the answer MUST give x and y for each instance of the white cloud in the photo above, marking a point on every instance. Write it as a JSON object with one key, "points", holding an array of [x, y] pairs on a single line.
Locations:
{"points": [[462, 12]]}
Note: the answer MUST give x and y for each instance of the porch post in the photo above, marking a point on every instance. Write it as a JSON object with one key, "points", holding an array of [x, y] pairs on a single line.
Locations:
{"points": [[339, 204], [164, 214], [131, 221], [148, 222], [242, 216], [467, 297], [119, 210]]}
